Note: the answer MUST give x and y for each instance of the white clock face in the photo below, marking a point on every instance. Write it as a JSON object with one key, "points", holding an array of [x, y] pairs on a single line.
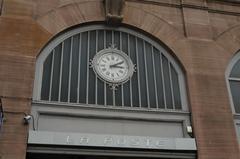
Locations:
{"points": [[113, 66]]}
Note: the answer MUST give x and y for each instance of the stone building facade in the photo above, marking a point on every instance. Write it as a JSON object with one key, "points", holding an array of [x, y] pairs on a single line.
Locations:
{"points": [[203, 36]]}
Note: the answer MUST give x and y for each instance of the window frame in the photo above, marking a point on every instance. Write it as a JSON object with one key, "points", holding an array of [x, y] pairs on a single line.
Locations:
{"points": [[236, 116]]}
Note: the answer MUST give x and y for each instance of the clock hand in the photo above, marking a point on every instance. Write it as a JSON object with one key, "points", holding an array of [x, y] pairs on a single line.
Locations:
{"points": [[116, 66], [119, 63]]}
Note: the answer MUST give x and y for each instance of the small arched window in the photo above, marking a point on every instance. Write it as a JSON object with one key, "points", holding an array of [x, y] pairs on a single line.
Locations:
{"points": [[64, 74], [233, 80]]}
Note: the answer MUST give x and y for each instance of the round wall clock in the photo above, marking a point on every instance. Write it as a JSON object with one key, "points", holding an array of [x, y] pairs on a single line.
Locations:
{"points": [[113, 66]]}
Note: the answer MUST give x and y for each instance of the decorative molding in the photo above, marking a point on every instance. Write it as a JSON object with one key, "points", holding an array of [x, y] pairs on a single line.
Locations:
{"points": [[53, 149], [114, 11]]}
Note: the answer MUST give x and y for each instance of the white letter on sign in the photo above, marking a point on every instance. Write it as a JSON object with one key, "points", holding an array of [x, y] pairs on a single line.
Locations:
{"points": [[84, 140], [108, 140]]}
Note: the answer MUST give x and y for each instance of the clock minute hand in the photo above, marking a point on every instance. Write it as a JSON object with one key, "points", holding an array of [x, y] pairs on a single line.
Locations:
{"points": [[116, 64]]}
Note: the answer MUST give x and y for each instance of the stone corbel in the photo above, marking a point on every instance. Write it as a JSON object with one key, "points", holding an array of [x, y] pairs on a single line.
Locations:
{"points": [[114, 11]]}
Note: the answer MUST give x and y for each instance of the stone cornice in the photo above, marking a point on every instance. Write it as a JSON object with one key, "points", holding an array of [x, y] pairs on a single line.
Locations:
{"points": [[203, 6]]}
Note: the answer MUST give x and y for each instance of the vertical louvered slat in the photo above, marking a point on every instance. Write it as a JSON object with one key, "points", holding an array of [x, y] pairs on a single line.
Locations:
{"points": [[118, 91], [171, 84], [70, 69], [87, 62], [51, 78], [176, 88], [105, 84], [101, 95], [121, 84], [129, 54], [96, 80], [113, 90], [135, 98], [79, 66], [138, 73], [154, 77], [163, 82], [45, 88], [146, 73], [60, 81]]}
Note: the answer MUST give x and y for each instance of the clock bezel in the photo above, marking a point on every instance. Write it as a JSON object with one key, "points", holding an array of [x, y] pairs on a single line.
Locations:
{"points": [[94, 64]]}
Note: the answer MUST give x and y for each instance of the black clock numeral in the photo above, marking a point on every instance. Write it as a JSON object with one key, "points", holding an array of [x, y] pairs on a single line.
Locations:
{"points": [[108, 73], [104, 69], [120, 71]]}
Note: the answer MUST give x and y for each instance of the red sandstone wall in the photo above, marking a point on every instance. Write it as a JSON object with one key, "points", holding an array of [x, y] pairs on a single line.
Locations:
{"points": [[203, 35]]}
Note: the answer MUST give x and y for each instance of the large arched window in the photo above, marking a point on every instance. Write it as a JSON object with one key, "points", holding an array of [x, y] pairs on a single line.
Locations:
{"points": [[64, 74], [72, 100], [233, 79]]}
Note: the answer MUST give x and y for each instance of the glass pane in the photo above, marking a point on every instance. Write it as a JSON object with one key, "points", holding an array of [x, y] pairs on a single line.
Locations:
{"points": [[135, 97], [109, 96], [126, 86], [83, 67], [100, 40], [109, 91], [100, 82], [125, 43], [176, 90], [108, 38], [65, 70], [236, 70], [46, 77], [74, 69], [235, 90], [117, 39], [100, 92], [158, 72], [126, 90], [92, 52], [118, 94], [141, 72], [151, 85], [167, 83], [56, 73]]}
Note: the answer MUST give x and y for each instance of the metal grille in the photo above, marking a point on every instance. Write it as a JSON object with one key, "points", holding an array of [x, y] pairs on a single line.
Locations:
{"points": [[67, 77]]}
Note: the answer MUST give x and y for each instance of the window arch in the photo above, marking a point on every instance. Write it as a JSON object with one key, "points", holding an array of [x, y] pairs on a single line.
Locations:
{"points": [[233, 81], [64, 74]]}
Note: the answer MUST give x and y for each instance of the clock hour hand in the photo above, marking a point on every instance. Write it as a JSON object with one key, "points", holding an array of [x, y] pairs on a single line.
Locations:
{"points": [[116, 64]]}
